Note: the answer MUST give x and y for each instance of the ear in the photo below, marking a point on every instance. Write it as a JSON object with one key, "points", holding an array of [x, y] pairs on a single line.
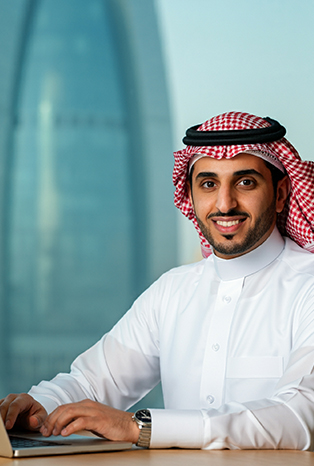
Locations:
{"points": [[189, 191], [283, 191]]}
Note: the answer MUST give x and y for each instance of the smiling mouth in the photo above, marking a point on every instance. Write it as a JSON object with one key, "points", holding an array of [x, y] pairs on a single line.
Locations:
{"points": [[230, 223]]}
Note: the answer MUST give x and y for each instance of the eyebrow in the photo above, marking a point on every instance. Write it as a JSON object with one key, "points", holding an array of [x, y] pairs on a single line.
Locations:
{"points": [[247, 172], [206, 175], [237, 173]]}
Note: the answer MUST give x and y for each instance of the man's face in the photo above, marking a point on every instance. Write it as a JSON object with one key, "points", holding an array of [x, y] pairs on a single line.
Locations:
{"points": [[234, 203]]}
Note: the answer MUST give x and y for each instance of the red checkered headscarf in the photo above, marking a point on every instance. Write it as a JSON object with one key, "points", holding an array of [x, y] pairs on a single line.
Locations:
{"points": [[297, 219]]}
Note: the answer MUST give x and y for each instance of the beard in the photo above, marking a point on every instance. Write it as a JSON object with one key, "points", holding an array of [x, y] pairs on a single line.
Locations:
{"points": [[262, 225]]}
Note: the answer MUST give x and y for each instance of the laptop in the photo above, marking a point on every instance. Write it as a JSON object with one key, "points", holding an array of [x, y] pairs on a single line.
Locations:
{"points": [[23, 444]]}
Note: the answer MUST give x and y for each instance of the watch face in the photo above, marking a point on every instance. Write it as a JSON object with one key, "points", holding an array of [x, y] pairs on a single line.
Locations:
{"points": [[143, 415]]}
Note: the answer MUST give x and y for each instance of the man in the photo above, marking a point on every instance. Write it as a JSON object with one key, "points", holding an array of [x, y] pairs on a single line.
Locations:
{"points": [[232, 337]]}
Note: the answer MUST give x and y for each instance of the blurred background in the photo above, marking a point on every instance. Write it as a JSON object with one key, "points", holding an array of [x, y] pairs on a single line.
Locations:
{"points": [[94, 97]]}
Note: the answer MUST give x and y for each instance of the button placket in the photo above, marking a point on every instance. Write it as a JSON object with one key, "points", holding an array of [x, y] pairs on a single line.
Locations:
{"points": [[216, 347], [227, 299], [214, 367]]}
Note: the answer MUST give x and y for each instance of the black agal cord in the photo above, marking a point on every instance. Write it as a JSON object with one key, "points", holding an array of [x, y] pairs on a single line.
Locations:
{"points": [[271, 133]]}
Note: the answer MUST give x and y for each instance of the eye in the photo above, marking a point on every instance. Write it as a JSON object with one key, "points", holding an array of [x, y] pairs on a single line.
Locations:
{"points": [[247, 182], [208, 184]]}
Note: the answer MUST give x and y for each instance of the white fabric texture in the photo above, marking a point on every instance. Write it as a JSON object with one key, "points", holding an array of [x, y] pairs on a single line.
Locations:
{"points": [[233, 344]]}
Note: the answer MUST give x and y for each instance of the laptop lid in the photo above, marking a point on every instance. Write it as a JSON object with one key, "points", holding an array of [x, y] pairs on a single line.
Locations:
{"points": [[34, 444]]}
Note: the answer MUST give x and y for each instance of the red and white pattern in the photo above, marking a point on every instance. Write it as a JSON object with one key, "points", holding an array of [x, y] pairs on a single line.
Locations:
{"points": [[297, 219]]}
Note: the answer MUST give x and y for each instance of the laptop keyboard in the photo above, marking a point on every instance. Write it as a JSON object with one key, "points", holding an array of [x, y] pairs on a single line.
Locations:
{"points": [[18, 443]]}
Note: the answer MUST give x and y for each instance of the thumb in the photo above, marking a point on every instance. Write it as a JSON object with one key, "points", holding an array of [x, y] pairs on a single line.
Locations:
{"points": [[36, 420]]}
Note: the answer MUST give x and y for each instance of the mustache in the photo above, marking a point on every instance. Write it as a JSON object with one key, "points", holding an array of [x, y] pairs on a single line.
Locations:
{"points": [[230, 213]]}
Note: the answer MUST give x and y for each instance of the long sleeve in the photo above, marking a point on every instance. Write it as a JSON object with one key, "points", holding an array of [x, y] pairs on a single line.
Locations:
{"points": [[118, 370], [263, 379], [285, 421], [233, 345], [237, 427]]}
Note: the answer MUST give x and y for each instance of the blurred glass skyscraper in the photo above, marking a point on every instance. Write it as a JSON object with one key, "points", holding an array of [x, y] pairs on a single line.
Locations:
{"points": [[87, 220]]}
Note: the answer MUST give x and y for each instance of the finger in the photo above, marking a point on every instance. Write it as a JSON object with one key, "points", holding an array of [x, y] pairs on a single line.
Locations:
{"points": [[25, 411], [48, 424], [58, 419], [3, 408], [5, 403], [78, 424], [14, 406], [35, 421], [64, 415]]}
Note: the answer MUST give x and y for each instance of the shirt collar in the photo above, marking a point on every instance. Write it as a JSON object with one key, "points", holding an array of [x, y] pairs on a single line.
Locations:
{"points": [[232, 269]]}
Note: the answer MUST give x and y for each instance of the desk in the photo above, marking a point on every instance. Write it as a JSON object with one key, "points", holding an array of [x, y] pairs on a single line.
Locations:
{"points": [[173, 458]]}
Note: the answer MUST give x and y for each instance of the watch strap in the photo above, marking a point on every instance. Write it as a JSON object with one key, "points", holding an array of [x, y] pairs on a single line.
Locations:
{"points": [[145, 429]]}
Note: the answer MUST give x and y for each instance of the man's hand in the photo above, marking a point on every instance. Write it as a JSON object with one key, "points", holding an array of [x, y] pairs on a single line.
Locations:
{"points": [[93, 416], [22, 411]]}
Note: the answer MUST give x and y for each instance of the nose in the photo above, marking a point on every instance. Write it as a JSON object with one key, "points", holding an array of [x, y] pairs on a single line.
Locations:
{"points": [[226, 199]]}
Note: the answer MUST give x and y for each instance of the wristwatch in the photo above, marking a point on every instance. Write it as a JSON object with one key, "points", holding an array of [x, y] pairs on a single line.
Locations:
{"points": [[143, 419]]}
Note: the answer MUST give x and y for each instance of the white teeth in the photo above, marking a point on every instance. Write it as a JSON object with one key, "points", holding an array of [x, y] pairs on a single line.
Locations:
{"points": [[228, 224]]}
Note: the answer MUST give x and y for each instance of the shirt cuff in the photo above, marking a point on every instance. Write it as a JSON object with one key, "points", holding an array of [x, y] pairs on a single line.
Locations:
{"points": [[177, 428]]}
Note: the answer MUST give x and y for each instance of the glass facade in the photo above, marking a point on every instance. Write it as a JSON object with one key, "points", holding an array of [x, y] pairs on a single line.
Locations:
{"points": [[79, 207]]}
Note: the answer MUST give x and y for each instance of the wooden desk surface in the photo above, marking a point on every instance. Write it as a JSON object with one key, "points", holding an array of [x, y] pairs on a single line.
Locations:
{"points": [[173, 458]]}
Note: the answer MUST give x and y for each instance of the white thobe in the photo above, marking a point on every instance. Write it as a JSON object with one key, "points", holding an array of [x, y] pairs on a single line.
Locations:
{"points": [[232, 342]]}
